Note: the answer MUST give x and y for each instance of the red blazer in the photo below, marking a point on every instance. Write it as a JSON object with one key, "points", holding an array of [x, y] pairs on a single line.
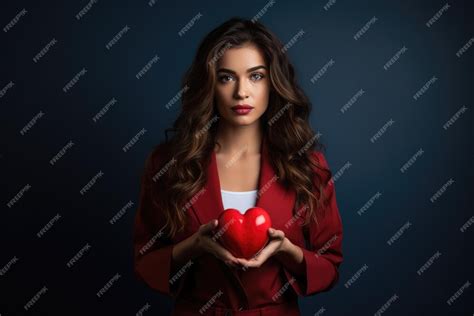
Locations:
{"points": [[206, 286]]}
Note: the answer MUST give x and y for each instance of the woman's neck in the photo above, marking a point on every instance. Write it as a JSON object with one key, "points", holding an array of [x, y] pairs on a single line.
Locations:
{"points": [[239, 138]]}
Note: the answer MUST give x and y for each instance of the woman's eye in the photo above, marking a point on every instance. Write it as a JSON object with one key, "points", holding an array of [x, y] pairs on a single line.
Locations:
{"points": [[254, 77], [257, 76], [225, 78]]}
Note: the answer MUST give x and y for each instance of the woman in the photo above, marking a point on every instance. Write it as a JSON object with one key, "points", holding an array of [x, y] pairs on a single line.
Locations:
{"points": [[242, 139]]}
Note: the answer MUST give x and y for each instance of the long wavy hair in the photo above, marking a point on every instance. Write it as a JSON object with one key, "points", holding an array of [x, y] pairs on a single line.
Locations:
{"points": [[285, 126]]}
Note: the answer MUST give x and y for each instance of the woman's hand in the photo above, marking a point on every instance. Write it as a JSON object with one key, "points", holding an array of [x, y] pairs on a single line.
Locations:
{"points": [[276, 244], [204, 243]]}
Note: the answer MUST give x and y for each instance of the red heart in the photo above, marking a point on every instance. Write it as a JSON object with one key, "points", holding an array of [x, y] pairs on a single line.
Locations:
{"points": [[243, 235]]}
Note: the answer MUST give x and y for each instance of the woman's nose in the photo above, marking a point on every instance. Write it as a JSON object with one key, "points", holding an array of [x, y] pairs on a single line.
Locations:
{"points": [[241, 91]]}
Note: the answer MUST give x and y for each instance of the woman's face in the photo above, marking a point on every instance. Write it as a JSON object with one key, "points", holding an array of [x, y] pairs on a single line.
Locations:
{"points": [[242, 79]]}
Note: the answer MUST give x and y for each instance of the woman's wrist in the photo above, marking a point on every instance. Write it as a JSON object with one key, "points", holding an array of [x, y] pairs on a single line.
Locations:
{"points": [[285, 247], [186, 250], [195, 246], [291, 256]]}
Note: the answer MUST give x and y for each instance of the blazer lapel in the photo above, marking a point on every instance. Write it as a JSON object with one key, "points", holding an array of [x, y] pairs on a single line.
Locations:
{"points": [[271, 195]]}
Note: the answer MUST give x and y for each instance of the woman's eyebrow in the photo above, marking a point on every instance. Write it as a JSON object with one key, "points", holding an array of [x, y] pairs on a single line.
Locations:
{"points": [[248, 70]]}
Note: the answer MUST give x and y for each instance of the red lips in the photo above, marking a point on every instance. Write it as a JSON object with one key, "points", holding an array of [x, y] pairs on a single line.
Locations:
{"points": [[242, 107], [243, 235]]}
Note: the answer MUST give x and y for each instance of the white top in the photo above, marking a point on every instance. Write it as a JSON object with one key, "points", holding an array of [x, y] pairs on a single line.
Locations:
{"points": [[240, 200]]}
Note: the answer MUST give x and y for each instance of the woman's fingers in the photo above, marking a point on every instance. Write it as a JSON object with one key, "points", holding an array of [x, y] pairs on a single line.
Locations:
{"points": [[213, 247], [275, 233], [207, 228], [223, 253]]}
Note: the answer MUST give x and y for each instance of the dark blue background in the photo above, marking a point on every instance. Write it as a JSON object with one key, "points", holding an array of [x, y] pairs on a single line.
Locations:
{"points": [[375, 167]]}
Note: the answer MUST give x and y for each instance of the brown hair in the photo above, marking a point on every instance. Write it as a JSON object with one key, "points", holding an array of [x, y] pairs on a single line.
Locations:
{"points": [[290, 138]]}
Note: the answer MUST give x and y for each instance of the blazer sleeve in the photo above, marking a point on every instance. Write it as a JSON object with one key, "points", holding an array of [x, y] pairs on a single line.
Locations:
{"points": [[322, 260], [153, 261]]}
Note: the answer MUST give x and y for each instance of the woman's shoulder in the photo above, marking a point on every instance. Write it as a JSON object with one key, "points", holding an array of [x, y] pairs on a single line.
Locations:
{"points": [[320, 157], [322, 166]]}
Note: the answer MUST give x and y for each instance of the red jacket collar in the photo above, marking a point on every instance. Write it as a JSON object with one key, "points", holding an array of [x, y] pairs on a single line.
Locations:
{"points": [[271, 195]]}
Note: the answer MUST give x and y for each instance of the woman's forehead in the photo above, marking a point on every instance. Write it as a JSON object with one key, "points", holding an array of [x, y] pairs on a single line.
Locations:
{"points": [[240, 59]]}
